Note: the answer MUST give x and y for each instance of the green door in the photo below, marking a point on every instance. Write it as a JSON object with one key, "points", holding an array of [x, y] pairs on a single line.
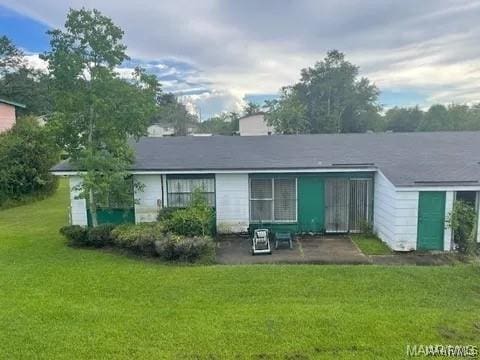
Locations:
{"points": [[311, 204], [431, 220]]}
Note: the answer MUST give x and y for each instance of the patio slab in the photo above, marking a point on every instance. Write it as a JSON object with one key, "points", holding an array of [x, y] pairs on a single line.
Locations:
{"points": [[308, 249]]}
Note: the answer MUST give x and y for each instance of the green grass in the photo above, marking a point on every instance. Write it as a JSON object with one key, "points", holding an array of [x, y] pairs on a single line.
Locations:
{"points": [[371, 245], [60, 302]]}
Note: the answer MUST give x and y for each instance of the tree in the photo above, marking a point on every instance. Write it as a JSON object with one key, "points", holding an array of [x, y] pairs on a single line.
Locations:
{"points": [[435, 119], [223, 124], [251, 108], [173, 113], [329, 98], [27, 152], [403, 119], [11, 58], [96, 112], [21, 83]]}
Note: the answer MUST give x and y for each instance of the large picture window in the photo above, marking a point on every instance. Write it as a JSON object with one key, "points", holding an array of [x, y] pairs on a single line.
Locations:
{"points": [[180, 190], [273, 200]]}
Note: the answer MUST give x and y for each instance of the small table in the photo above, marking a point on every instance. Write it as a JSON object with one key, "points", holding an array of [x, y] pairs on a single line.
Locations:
{"points": [[283, 237]]}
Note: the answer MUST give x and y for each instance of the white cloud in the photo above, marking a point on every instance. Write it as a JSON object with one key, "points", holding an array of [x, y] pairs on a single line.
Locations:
{"points": [[239, 47]]}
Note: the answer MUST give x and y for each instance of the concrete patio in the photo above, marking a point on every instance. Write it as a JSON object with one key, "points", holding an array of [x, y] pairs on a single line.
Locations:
{"points": [[321, 249], [306, 249]]}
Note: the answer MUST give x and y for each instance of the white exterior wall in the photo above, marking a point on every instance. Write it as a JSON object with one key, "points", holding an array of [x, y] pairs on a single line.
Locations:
{"points": [[254, 125], [447, 236], [148, 200], [384, 209], [395, 215], [78, 207], [406, 220], [232, 202]]}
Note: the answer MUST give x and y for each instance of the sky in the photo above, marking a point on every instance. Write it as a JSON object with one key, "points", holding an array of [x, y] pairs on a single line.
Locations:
{"points": [[217, 54]]}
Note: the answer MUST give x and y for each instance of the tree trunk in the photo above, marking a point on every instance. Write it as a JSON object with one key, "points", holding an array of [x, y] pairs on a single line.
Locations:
{"points": [[93, 208]]}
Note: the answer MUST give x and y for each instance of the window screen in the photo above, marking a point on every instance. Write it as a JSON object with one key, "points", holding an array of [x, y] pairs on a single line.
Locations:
{"points": [[273, 200], [285, 201], [180, 191]]}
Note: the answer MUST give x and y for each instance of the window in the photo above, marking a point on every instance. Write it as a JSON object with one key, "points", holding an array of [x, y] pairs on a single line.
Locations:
{"points": [[180, 190], [469, 197], [273, 200]]}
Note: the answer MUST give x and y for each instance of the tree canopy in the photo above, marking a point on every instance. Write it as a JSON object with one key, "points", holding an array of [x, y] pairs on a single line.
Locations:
{"points": [[96, 112], [328, 98]]}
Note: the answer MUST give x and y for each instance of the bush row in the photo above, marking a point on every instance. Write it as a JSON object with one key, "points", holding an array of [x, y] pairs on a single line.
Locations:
{"points": [[148, 239]]}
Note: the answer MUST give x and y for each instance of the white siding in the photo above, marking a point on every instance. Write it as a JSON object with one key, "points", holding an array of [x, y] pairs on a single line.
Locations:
{"points": [[406, 220], [231, 202], [254, 125], [78, 207], [384, 209], [148, 201], [447, 236]]}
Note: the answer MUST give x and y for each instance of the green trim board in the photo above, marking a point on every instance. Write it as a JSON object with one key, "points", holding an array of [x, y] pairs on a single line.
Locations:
{"points": [[431, 220]]}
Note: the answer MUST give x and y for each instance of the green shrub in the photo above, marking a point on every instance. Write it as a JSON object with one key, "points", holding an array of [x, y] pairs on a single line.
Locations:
{"points": [[139, 238], [195, 220], [75, 234], [179, 248], [166, 213], [100, 236], [462, 220], [81, 236]]}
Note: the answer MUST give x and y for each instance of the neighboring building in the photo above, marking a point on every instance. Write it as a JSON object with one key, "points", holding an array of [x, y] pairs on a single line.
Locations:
{"points": [[8, 114], [254, 125], [404, 184], [158, 130]]}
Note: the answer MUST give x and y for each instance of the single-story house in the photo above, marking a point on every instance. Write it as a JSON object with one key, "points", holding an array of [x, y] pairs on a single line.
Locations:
{"points": [[403, 184], [8, 114]]}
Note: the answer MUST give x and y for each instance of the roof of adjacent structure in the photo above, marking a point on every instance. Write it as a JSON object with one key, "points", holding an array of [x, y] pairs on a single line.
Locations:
{"points": [[406, 159], [13, 103]]}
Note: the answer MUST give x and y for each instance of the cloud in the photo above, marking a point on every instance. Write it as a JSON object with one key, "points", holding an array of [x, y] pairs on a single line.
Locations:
{"points": [[217, 51]]}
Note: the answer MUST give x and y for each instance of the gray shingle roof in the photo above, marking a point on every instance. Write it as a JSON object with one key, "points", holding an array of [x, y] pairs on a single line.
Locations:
{"points": [[407, 159]]}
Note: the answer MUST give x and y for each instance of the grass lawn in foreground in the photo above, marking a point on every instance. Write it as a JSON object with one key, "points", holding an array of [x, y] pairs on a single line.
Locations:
{"points": [[60, 302], [371, 245]]}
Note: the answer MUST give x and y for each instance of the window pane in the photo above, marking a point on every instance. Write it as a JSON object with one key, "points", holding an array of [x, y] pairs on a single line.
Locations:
{"points": [[261, 210], [180, 191], [261, 189], [285, 201]]}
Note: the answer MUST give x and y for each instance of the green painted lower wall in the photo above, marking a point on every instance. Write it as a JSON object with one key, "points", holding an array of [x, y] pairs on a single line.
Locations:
{"points": [[113, 216], [310, 202]]}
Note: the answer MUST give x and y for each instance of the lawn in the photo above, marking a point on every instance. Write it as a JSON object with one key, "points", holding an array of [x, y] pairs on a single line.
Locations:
{"points": [[371, 245], [60, 302]]}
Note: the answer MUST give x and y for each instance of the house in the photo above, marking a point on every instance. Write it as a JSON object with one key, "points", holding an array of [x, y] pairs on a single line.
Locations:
{"points": [[159, 130], [254, 125], [8, 114], [403, 184]]}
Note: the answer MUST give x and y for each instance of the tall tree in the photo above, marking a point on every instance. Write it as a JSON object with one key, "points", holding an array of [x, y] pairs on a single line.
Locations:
{"points": [[172, 112], [11, 58], [251, 108], [329, 98], [436, 119], [96, 112], [403, 119], [20, 82]]}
